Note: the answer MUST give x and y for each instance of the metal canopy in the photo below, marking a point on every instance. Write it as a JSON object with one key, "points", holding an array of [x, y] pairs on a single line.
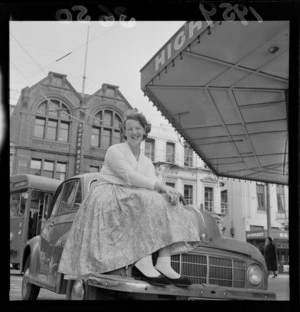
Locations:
{"points": [[224, 88]]}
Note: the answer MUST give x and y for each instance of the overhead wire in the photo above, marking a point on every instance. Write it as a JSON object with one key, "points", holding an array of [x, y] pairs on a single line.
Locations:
{"points": [[27, 52], [20, 71], [74, 50]]}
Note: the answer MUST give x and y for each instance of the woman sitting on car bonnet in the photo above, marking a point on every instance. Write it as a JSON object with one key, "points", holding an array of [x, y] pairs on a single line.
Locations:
{"points": [[129, 215]]}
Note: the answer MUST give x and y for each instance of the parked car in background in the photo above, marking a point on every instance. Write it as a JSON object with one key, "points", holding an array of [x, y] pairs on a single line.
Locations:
{"points": [[220, 268]]}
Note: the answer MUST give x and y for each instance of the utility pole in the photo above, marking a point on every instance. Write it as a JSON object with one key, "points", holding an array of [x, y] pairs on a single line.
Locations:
{"points": [[268, 210], [84, 72], [80, 125]]}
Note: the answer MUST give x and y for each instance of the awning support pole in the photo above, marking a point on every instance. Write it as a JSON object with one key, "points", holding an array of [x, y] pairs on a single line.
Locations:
{"points": [[268, 210]]}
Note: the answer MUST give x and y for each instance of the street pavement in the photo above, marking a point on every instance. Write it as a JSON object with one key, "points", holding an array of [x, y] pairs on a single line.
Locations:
{"points": [[279, 285], [16, 286]]}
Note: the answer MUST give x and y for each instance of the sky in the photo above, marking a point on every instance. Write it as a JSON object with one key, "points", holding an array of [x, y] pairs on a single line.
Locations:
{"points": [[115, 55]]}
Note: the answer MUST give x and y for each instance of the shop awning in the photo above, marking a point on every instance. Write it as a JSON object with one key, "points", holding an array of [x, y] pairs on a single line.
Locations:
{"points": [[224, 88]]}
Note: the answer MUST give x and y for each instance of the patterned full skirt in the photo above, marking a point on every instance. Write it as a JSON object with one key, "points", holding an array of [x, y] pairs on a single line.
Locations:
{"points": [[117, 225]]}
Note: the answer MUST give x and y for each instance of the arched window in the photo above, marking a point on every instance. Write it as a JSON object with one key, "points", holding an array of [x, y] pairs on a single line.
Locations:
{"points": [[52, 121], [106, 129]]}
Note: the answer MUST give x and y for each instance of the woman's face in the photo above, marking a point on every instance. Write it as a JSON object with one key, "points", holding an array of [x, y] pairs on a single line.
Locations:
{"points": [[134, 132]]}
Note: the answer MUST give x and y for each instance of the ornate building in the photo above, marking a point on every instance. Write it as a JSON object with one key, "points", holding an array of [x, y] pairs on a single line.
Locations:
{"points": [[55, 132]]}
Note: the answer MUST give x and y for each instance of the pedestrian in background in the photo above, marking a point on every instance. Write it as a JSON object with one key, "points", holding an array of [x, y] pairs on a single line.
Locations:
{"points": [[270, 256]]}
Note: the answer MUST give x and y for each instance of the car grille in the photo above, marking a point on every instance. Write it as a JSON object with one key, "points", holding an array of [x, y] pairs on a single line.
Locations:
{"points": [[210, 269]]}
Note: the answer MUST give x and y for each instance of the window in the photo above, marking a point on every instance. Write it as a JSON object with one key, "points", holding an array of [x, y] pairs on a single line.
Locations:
{"points": [[208, 199], [106, 129], [47, 168], [56, 200], [94, 169], [170, 155], [188, 156], [78, 198], [108, 116], [261, 195], [52, 130], [36, 167], [106, 138], [68, 197], [52, 121], [224, 202], [61, 170], [280, 198], [64, 132], [95, 139], [170, 184], [150, 149], [18, 202], [39, 129], [188, 194]]}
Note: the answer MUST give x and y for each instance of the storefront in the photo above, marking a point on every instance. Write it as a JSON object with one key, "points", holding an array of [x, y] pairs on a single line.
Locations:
{"points": [[280, 240]]}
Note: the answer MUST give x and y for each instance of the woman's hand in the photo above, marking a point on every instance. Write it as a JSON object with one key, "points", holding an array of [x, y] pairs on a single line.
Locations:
{"points": [[169, 192]]}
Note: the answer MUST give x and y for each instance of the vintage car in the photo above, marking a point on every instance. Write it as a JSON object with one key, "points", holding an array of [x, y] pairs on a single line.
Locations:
{"points": [[220, 268]]}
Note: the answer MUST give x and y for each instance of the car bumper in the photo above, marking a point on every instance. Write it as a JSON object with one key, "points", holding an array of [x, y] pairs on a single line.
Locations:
{"points": [[193, 292]]}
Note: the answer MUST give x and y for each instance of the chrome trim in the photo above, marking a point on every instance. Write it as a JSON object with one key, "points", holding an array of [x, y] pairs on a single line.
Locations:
{"points": [[194, 291], [180, 266], [211, 269], [232, 270], [207, 268]]}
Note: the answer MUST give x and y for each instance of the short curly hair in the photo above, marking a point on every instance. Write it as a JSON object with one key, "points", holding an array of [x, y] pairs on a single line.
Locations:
{"points": [[133, 114]]}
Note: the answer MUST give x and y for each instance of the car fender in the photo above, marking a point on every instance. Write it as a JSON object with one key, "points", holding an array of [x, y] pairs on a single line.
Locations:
{"points": [[32, 250], [208, 225]]}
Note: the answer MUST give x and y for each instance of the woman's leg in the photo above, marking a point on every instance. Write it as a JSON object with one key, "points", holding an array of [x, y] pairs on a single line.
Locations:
{"points": [[163, 263], [145, 265]]}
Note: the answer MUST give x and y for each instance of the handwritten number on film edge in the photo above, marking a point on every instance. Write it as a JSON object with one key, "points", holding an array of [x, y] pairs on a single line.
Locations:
{"points": [[64, 15], [229, 13]]}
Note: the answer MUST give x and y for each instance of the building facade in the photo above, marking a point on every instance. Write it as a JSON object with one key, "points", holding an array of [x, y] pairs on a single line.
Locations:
{"points": [[178, 165], [54, 132]]}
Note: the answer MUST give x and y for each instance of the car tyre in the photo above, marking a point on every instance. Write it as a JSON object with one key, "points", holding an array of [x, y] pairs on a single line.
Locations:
{"points": [[29, 290]]}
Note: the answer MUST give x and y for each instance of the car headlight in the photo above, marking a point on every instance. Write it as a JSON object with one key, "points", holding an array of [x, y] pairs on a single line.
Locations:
{"points": [[255, 275]]}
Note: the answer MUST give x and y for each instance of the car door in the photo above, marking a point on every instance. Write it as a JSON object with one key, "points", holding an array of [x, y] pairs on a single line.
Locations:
{"points": [[60, 225], [46, 232]]}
